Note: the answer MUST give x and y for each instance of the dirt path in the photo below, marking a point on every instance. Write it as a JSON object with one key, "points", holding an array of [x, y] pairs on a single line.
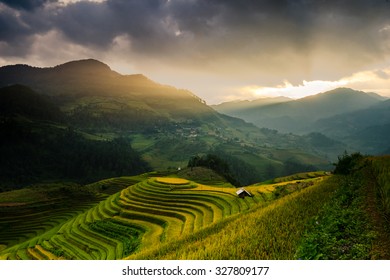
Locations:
{"points": [[381, 244]]}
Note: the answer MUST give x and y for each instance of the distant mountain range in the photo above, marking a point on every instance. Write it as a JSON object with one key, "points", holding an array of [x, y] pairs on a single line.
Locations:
{"points": [[343, 114], [96, 109], [230, 108]]}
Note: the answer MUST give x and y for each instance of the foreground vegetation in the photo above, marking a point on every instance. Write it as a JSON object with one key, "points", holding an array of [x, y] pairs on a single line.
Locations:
{"points": [[311, 215], [354, 223]]}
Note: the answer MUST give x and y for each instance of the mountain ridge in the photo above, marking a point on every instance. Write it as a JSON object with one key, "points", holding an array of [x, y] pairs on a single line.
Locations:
{"points": [[167, 126], [247, 104], [297, 116]]}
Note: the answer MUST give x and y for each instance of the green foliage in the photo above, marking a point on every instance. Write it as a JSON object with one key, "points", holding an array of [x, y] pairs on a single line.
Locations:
{"points": [[341, 230], [18, 100], [43, 152], [202, 175], [215, 163], [347, 164], [58, 252], [243, 172], [280, 191], [292, 166]]}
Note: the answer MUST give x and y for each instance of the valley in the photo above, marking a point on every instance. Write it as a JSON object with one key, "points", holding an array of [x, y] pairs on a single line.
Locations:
{"points": [[156, 120], [100, 166], [348, 118]]}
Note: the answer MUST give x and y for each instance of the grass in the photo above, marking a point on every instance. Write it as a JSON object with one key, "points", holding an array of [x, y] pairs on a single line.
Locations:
{"points": [[381, 171], [354, 223], [341, 230]]}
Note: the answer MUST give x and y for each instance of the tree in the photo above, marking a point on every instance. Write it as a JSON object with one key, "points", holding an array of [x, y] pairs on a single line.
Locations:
{"points": [[215, 163], [347, 164]]}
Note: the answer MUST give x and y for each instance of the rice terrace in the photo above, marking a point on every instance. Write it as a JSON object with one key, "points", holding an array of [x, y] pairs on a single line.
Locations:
{"points": [[161, 216]]}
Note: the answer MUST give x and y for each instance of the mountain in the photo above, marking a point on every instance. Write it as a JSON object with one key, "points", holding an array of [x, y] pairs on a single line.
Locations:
{"points": [[90, 91], [240, 105], [358, 119], [298, 116], [37, 145], [18, 100], [342, 125], [366, 130], [165, 125]]}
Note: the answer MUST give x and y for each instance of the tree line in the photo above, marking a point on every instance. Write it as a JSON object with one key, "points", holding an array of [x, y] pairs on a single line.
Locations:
{"points": [[42, 152]]}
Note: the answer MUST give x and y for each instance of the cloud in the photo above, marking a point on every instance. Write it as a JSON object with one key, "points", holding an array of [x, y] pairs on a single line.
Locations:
{"points": [[369, 81], [247, 42], [26, 4]]}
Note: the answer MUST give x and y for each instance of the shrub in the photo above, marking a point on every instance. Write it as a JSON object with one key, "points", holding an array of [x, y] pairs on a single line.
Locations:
{"points": [[347, 164]]}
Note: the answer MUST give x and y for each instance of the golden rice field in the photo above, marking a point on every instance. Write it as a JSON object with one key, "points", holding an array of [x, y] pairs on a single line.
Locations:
{"points": [[268, 231], [174, 218], [171, 181]]}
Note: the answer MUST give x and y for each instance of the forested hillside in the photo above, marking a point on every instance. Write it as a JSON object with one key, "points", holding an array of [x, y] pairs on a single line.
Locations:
{"points": [[163, 126]]}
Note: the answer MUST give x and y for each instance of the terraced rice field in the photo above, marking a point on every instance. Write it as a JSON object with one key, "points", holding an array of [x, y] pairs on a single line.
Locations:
{"points": [[139, 218]]}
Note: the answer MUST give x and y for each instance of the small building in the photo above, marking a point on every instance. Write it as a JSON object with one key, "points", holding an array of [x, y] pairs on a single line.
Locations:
{"points": [[242, 193]]}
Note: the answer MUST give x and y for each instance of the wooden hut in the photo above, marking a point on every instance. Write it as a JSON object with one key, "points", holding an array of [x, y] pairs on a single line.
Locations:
{"points": [[242, 193]]}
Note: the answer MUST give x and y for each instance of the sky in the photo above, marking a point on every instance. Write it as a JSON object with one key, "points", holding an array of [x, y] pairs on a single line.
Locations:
{"points": [[221, 50]]}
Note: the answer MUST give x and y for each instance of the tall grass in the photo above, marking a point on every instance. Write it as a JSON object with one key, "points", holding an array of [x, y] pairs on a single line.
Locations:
{"points": [[381, 170], [342, 229]]}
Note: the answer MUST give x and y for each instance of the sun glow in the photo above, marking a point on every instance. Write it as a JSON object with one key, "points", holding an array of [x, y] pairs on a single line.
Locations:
{"points": [[299, 91], [376, 80]]}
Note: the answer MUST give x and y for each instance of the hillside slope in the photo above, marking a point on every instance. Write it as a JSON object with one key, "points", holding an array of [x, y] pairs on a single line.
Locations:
{"points": [[139, 218], [297, 116], [365, 130], [166, 125], [309, 215], [230, 108], [340, 217], [38, 145], [90, 91]]}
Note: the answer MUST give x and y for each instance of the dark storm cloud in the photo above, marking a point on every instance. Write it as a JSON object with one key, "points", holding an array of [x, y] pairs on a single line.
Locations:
{"points": [[26, 4], [86, 23], [252, 31], [19, 22], [11, 27], [98, 24]]}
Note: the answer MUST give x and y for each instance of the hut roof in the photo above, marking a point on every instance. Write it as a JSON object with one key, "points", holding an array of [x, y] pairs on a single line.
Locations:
{"points": [[243, 191]]}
